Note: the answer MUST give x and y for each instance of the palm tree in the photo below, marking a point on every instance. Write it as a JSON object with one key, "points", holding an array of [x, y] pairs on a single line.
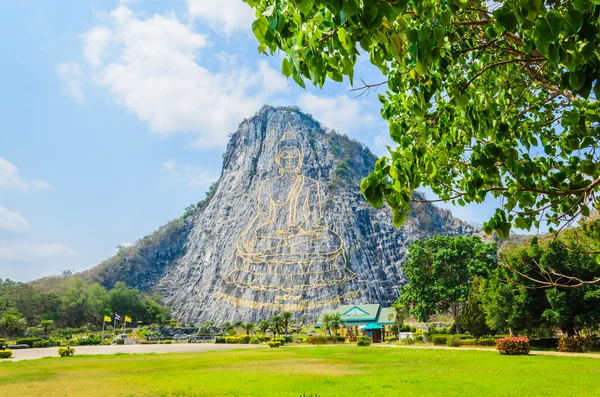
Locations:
{"points": [[335, 321], [326, 321], [248, 327], [263, 326], [400, 313], [275, 325], [12, 322], [238, 324], [47, 326], [286, 318]]}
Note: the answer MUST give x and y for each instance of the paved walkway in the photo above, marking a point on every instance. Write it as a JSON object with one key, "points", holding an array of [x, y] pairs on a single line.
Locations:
{"points": [[490, 349], [30, 354]]}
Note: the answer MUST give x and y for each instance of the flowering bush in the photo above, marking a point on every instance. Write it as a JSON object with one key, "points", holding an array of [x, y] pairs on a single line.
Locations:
{"points": [[513, 346], [274, 343], [6, 353], [317, 340], [575, 345]]}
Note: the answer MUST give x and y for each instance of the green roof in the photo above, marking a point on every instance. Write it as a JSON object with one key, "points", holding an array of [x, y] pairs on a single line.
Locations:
{"points": [[362, 314], [372, 326]]}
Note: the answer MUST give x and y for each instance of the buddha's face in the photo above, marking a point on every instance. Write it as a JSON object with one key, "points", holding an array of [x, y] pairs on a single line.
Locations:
{"points": [[289, 159]]}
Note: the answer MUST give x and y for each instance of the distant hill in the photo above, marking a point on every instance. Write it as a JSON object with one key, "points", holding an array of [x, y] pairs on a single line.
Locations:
{"points": [[188, 260]]}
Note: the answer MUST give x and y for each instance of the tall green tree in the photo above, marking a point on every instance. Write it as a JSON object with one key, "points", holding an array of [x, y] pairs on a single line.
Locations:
{"points": [[513, 300], [473, 319], [12, 322], [263, 326], [440, 271], [483, 98], [249, 328], [326, 320], [335, 322]]}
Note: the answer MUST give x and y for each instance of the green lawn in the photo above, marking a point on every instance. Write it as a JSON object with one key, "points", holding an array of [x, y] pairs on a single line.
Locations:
{"points": [[292, 371]]}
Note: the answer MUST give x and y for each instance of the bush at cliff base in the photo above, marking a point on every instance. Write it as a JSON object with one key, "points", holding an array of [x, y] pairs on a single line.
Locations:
{"points": [[575, 344], [513, 346]]}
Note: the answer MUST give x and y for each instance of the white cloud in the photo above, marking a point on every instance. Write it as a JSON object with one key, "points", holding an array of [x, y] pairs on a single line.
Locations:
{"points": [[25, 252], [96, 42], [226, 15], [10, 178], [340, 112], [70, 75], [154, 69], [192, 175], [12, 223]]}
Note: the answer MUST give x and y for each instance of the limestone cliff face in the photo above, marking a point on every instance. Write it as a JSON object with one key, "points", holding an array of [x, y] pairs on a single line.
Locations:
{"points": [[195, 283]]}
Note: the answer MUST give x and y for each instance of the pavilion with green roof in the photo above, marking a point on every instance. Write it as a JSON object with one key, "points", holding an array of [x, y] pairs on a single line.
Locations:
{"points": [[370, 319]]}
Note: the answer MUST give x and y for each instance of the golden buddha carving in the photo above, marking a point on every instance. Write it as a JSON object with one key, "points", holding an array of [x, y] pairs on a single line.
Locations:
{"points": [[285, 247]]}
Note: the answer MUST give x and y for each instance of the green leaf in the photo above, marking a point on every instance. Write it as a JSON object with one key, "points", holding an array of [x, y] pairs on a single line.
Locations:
{"points": [[260, 28], [506, 18], [350, 7], [286, 68], [547, 27], [572, 22], [398, 217], [305, 6]]}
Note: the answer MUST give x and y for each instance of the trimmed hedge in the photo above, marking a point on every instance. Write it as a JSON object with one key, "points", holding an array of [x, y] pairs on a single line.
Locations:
{"points": [[274, 343], [453, 341], [317, 340], [27, 341], [575, 344], [340, 338], [513, 346], [480, 342], [545, 343], [66, 351], [363, 341], [439, 340], [42, 343], [255, 341], [220, 340], [6, 353], [167, 342]]}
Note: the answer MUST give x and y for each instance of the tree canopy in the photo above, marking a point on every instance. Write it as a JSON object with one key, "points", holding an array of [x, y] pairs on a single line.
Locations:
{"points": [[483, 98], [440, 271]]}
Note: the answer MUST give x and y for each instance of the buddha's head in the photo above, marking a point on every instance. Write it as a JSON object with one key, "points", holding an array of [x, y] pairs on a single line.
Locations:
{"points": [[289, 153]]}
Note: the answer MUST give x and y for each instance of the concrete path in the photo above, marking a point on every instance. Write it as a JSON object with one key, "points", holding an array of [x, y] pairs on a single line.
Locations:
{"points": [[30, 354], [490, 349]]}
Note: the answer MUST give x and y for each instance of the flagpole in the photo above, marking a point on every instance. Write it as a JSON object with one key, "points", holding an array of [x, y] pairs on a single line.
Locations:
{"points": [[124, 322], [103, 323], [115, 326]]}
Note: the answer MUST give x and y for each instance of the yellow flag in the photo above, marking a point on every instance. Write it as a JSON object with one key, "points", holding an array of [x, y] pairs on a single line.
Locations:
{"points": [[127, 319], [107, 319]]}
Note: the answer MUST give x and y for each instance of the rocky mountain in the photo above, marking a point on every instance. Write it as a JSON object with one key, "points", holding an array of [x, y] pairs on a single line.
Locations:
{"points": [[284, 228]]}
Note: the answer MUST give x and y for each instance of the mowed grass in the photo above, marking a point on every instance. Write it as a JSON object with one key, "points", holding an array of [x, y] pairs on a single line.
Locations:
{"points": [[292, 371]]}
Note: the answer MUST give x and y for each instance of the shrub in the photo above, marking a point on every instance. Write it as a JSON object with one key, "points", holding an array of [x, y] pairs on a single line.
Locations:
{"points": [[245, 339], [486, 342], [6, 353], [273, 343], [120, 341], [167, 342], [232, 339], [255, 341], [544, 343], [66, 351], [340, 338], [289, 339], [419, 338], [89, 341], [219, 339], [280, 339], [317, 340], [453, 341], [27, 341], [408, 340], [42, 343], [391, 339], [439, 340], [513, 346], [574, 344], [363, 341]]}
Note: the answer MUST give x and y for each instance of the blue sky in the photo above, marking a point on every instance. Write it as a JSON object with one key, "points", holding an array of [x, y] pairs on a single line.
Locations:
{"points": [[115, 115]]}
